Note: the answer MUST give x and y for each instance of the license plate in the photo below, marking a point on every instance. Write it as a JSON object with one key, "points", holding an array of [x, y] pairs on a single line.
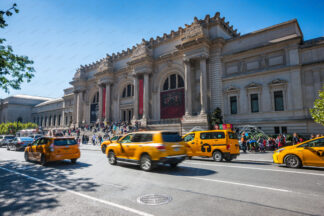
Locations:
{"points": [[176, 148]]}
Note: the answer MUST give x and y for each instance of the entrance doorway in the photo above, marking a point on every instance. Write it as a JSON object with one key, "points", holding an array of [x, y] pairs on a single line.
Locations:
{"points": [[126, 115], [94, 108]]}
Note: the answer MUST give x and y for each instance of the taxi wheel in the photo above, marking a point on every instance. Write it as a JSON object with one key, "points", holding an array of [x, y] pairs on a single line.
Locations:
{"points": [[103, 149], [217, 156], [43, 160], [292, 161], [146, 163], [73, 161], [26, 157], [112, 158]]}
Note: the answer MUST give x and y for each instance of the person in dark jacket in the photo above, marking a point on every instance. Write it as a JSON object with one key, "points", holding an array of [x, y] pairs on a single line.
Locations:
{"points": [[295, 139]]}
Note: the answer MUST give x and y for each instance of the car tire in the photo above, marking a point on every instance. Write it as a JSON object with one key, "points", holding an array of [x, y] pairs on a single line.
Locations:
{"points": [[73, 161], [217, 156], [292, 161], [103, 149], [43, 160], [189, 157], [26, 157], [112, 158], [173, 165], [146, 163]]}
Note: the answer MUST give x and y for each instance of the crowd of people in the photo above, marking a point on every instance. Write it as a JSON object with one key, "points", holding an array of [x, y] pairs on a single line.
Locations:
{"points": [[264, 143]]}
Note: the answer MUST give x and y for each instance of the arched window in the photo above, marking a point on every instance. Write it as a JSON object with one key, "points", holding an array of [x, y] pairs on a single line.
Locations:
{"points": [[128, 91], [174, 81]]}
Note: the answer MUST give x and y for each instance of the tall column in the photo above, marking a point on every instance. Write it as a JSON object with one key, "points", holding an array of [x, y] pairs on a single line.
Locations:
{"points": [[203, 86], [75, 108], [108, 103], [100, 103], [136, 86], [79, 108], [63, 115], [188, 99], [146, 100]]}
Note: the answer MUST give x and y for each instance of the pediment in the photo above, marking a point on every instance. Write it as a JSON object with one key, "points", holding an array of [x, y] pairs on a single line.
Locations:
{"points": [[277, 82], [253, 85]]}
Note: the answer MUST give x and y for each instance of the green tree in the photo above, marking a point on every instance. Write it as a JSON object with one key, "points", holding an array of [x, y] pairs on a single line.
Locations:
{"points": [[215, 118], [318, 110], [14, 69]]}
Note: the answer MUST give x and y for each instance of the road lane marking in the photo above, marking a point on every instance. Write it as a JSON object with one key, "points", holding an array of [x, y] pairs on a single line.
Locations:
{"points": [[257, 168], [242, 184], [125, 208]]}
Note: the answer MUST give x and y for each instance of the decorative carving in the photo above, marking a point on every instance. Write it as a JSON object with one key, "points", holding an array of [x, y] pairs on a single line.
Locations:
{"points": [[105, 66], [194, 31], [253, 85], [278, 82], [141, 51]]}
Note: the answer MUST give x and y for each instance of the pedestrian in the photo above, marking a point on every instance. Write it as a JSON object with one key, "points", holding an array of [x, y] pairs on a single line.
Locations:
{"points": [[243, 141], [295, 139], [94, 139]]}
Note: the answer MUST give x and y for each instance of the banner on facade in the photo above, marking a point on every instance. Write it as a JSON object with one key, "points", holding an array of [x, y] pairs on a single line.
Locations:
{"points": [[140, 97], [172, 104]]}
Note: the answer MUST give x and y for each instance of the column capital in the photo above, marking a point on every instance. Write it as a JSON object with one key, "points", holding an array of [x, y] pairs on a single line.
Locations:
{"points": [[186, 60], [203, 57]]}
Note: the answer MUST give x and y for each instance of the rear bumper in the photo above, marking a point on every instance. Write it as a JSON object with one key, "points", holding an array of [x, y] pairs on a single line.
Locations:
{"points": [[64, 157], [172, 159]]}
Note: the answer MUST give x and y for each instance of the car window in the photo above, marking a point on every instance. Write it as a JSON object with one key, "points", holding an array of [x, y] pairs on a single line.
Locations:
{"points": [[232, 135], [208, 135], [36, 142], [142, 138], [42, 141], [127, 139], [64, 142], [171, 137], [218, 135], [189, 137], [114, 138], [319, 143]]}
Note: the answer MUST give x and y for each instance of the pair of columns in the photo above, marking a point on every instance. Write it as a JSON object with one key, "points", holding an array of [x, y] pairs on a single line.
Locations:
{"points": [[203, 86], [145, 96], [107, 87]]}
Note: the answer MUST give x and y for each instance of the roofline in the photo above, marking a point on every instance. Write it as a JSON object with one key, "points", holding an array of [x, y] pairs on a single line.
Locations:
{"points": [[270, 28]]}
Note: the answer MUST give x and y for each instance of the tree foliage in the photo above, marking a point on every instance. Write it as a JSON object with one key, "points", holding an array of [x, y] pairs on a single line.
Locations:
{"points": [[13, 127], [318, 110], [14, 69], [215, 118]]}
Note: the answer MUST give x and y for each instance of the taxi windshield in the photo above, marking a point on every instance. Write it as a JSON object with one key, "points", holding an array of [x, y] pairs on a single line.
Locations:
{"points": [[114, 138], [63, 142]]}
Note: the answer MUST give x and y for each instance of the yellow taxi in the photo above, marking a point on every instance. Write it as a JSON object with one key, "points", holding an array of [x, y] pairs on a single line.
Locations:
{"points": [[46, 149], [147, 149], [105, 143], [308, 153], [218, 144]]}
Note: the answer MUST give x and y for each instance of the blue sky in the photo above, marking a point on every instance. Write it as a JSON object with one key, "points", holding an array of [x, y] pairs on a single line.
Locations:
{"points": [[60, 35]]}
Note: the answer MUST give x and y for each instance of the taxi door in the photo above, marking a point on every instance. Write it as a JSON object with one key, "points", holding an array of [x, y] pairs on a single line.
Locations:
{"points": [[205, 144], [125, 144], [32, 149], [313, 153], [190, 141], [38, 150]]}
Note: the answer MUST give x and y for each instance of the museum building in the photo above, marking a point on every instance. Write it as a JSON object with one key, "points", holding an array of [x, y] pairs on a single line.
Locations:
{"points": [[268, 78]]}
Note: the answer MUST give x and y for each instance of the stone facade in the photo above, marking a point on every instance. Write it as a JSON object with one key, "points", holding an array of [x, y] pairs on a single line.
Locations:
{"points": [[268, 78]]}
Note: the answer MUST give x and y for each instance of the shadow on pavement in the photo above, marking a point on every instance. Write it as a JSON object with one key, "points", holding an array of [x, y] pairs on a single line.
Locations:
{"points": [[207, 160], [178, 171], [20, 195]]}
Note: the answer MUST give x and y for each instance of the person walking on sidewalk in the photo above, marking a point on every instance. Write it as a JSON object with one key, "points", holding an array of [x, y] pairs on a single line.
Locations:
{"points": [[243, 141], [94, 139], [295, 139]]}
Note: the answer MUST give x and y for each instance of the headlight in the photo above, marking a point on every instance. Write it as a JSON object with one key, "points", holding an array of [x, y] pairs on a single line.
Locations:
{"points": [[280, 150]]}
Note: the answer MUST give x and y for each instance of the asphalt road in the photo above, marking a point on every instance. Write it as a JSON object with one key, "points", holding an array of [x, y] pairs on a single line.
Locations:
{"points": [[196, 187]]}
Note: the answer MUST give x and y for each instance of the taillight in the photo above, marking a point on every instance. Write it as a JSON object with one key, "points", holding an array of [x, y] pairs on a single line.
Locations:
{"points": [[228, 146], [160, 147], [20, 143], [52, 147]]}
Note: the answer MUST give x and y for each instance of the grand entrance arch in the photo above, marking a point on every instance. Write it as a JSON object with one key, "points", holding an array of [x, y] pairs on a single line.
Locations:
{"points": [[172, 100], [94, 108]]}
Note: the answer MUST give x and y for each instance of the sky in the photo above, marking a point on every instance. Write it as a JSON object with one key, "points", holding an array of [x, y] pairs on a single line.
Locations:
{"points": [[61, 35]]}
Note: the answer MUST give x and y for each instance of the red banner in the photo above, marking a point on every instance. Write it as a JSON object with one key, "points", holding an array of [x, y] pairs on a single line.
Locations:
{"points": [[140, 96], [104, 102], [172, 104]]}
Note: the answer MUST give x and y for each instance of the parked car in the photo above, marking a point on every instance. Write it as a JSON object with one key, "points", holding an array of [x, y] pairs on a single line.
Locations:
{"points": [[148, 149], [47, 149], [105, 143], [308, 153], [218, 144], [19, 143], [36, 136], [5, 139]]}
